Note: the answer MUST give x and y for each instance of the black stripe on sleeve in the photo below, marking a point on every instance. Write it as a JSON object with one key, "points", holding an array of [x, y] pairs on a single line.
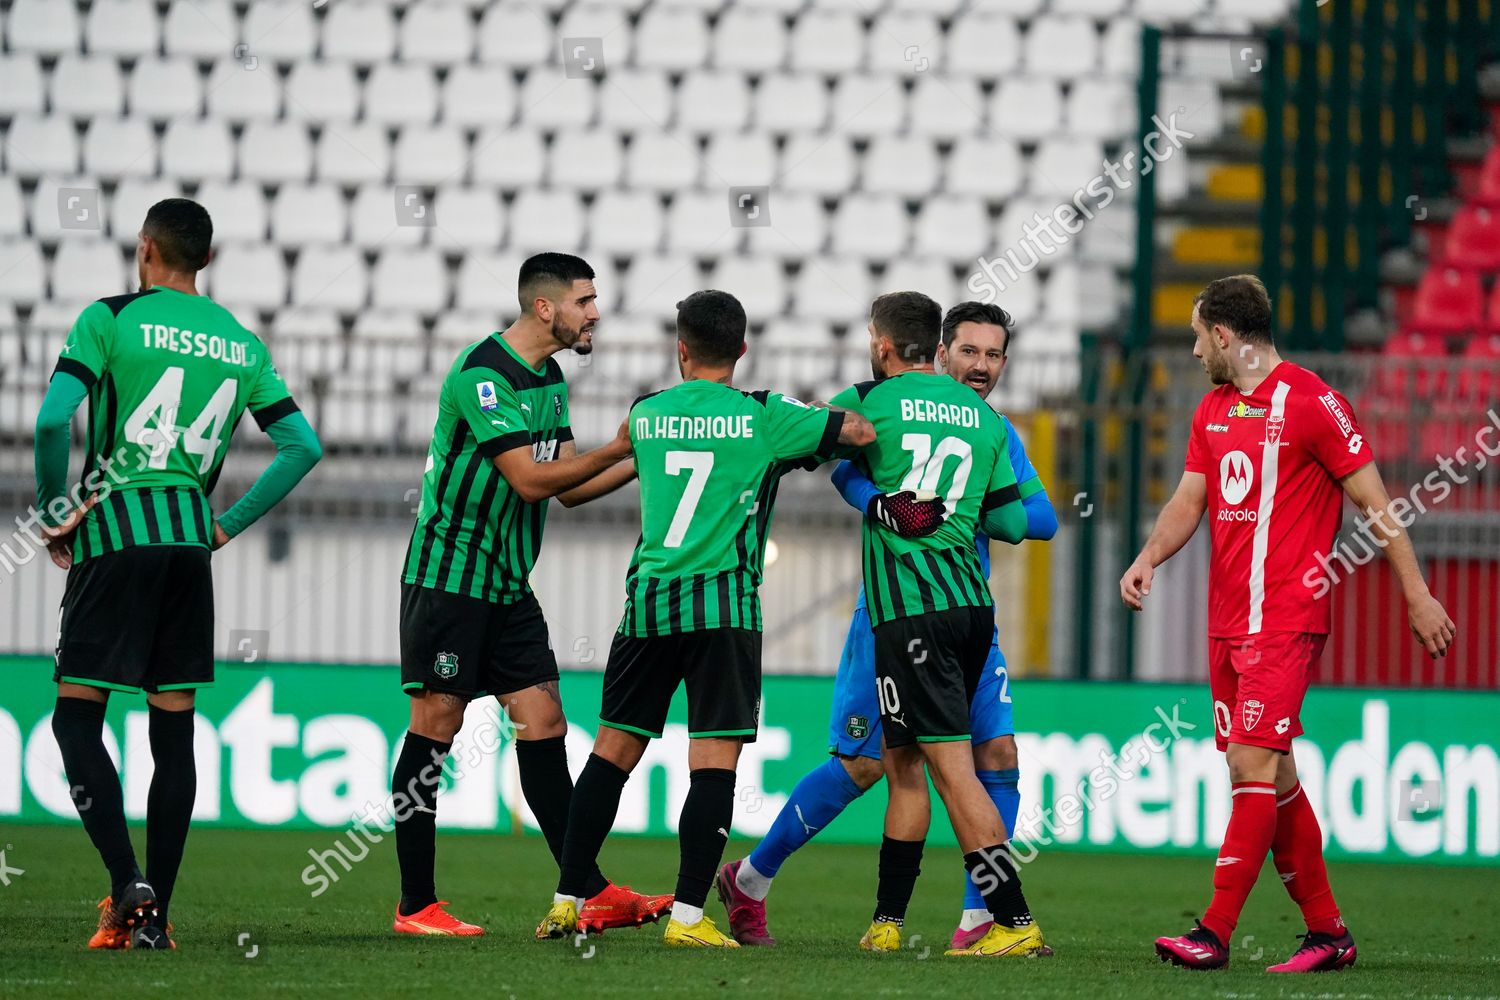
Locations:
{"points": [[831, 432], [999, 498], [77, 369], [268, 415], [564, 434], [503, 443]]}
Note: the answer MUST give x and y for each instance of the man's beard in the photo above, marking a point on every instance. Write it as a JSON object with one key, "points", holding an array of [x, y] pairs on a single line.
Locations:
{"points": [[1219, 370], [572, 338]]}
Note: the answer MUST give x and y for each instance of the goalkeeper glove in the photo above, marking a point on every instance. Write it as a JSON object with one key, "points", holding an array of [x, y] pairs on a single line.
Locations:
{"points": [[906, 514]]}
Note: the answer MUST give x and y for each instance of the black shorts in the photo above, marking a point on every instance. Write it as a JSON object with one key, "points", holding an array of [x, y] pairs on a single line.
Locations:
{"points": [[140, 618], [926, 670], [721, 667], [470, 647]]}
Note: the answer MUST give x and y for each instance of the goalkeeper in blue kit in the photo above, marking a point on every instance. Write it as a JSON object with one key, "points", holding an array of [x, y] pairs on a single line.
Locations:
{"points": [[975, 339]]}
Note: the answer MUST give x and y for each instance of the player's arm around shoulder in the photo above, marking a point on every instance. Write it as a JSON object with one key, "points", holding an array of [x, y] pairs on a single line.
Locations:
{"points": [[604, 483], [494, 414]]}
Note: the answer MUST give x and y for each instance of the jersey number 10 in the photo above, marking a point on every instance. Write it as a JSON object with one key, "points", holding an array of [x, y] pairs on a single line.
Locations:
{"points": [[153, 424], [927, 465]]}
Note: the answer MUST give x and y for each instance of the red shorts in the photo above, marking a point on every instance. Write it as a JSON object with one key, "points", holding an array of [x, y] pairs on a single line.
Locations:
{"points": [[1258, 683]]}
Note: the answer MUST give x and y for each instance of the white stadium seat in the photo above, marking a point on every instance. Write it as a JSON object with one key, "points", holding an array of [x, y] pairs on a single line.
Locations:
{"points": [[200, 29], [35, 146], [551, 100], [121, 147], [43, 26], [515, 35], [1167, 11], [279, 31], [1120, 49], [373, 221], [745, 159], [545, 220], [984, 44], [865, 106], [322, 92], [1201, 110], [758, 282], [1081, 295], [510, 159], [397, 94], [436, 33], [87, 269], [586, 159], [837, 289], [410, 279], [468, 218], [249, 274], [313, 213], [942, 8], [12, 209], [1101, 109], [956, 229], [819, 164], [22, 272], [1099, 10], [276, 151], [363, 34], [1062, 165], [238, 209], [947, 109], [672, 38], [931, 275], [1026, 108], [988, 166], [798, 229], [662, 161], [625, 222], [85, 86], [1061, 48], [791, 102], [21, 89], [310, 322], [904, 165], [904, 42], [634, 100], [710, 101], [238, 94], [164, 89], [870, 226], [133, 197], [430, 154], [1011, 234], [474, 96], [352, 154], [121, 27], [330, 278], [827, 41], [654, 284], [486, 282], [83, 206], [749, 39], [698, 222], [1015, 8]]}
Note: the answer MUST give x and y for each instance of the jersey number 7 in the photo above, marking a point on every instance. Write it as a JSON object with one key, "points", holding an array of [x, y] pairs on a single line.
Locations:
{"points": [[697, 464]]}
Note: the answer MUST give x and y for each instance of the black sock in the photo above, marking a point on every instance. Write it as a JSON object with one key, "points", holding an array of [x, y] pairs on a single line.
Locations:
{"points": [[999, 881], [591, 814], [702, 831], [169, 803], [414, 787], [900, 864], [548, 788], [94, 783]]}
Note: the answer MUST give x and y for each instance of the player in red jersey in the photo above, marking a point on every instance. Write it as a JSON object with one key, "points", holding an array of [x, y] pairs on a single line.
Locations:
{"points": [[1272, 447]]}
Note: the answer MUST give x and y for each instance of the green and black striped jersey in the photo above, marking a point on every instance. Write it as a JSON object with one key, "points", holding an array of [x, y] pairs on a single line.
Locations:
{"points": [[169, 375], [474, 535], [709, 458], [931, 433]]}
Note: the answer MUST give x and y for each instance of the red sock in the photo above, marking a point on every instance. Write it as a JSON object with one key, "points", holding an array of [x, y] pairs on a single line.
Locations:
{"points": [[1252, 825], [1298, 850]]}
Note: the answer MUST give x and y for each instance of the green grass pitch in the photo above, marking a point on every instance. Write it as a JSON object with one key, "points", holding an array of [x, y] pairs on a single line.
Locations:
{"points": [[1422, 931]]}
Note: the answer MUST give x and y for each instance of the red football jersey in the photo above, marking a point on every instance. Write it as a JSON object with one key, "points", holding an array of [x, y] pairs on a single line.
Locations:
{"points": [[1272, 460]]}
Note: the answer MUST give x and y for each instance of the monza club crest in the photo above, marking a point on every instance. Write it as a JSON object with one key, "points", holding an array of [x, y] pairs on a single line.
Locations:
{"points": [[1250, 713]]}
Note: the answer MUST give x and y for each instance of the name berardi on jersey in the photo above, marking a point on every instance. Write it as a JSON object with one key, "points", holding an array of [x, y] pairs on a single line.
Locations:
{"points": [[928, 411], [198, 345], [694, 428]]}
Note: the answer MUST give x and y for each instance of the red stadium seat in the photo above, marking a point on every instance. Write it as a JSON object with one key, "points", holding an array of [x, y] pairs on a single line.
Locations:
{"points": [[1449, 300], [1474, 239], [1487, 186], [1479, 380], [1412, 363]]}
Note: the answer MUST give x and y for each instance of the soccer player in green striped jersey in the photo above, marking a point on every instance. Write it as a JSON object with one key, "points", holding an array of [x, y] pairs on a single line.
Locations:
{"points": [[167, 374], [470, 625], [929, 604], [709, 457]]}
